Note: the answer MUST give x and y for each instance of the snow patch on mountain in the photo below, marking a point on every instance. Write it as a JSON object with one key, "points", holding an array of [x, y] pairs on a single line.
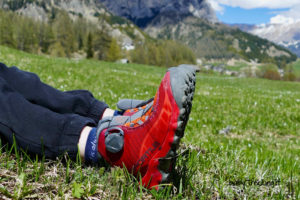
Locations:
{"points": [[284, 31]]}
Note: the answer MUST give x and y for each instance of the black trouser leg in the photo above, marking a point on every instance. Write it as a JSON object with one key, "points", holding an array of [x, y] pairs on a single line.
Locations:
{"points": [[36, 127], [80, 102]]}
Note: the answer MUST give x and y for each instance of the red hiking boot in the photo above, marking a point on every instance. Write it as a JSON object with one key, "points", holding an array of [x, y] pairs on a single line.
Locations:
{"points": [[146, 141]]}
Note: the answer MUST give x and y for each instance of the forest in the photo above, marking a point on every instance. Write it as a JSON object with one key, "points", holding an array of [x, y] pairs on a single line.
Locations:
{"points": [[62, 36]]}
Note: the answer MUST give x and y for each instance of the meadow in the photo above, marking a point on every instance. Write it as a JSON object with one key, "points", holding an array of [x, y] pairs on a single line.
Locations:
{"points": [[242, 140], [296, 67]]}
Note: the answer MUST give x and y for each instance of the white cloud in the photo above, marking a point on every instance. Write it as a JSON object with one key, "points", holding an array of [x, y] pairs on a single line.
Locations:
{"points": [[290, 16], [216, 6], [280, 19], [251, 4], [287, 17], [294, 12]]}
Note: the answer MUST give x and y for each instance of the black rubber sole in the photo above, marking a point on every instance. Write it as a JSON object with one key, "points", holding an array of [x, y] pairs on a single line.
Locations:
{"points": [[183, 81]]}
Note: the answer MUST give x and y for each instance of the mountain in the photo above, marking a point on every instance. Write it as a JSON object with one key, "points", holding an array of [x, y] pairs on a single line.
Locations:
{"points": [[144, 12], [294, 46], [83, 29], [193, 22], [91, 10], [243, 27], [286, 35]]}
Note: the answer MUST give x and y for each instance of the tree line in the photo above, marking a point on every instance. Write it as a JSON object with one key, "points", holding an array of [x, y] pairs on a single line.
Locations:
{"points": [[62, 36], [163, 53]]}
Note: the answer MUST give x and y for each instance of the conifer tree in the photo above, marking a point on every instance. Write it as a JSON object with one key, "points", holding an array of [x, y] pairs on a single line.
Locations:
{"points": [[63, 27], [90, 50], [114, 51], [153, 55], [26, 35], [139, 55], [6, 29], [45, 37], [101, 43]]}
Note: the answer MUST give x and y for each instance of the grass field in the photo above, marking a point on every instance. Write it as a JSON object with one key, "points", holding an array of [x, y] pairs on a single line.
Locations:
{"points": [[296, 67], [242, 140]]}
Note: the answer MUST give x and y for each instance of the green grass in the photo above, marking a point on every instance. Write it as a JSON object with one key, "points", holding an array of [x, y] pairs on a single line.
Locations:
{"points": [[296, 67], [258, 158], [237, 67]]}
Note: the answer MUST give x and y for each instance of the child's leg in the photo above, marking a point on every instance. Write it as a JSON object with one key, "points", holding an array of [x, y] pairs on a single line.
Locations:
{"points": [[36, 127], [80, 102]]}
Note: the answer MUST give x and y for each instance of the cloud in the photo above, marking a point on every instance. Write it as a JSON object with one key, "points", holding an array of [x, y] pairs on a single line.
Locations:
{"points": [[287, 17], [216, 6], [280, 19], [294, 12], [290, 16], [251, 4]]}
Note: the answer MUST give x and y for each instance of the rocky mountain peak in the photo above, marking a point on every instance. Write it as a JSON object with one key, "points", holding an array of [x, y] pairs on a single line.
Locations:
{"points": [[143, 13]]}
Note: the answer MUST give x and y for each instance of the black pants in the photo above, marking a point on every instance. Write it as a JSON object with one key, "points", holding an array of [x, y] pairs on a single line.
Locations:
{"points": [[42, 119]]}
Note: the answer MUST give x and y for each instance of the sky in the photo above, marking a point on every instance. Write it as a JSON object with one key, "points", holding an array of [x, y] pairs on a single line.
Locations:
{"points": [[257, 11]]}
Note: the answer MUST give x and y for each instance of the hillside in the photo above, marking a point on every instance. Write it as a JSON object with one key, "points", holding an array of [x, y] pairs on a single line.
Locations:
{"points": [[215, 40], [286, 34], [242, 139], [195, 24], [192, 23], [91, 10], [142, 13], [83, 29]]}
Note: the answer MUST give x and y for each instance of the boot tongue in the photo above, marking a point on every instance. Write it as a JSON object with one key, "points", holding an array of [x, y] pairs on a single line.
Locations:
{"points": [[127, 104], [140, 116], [140, 113]]}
